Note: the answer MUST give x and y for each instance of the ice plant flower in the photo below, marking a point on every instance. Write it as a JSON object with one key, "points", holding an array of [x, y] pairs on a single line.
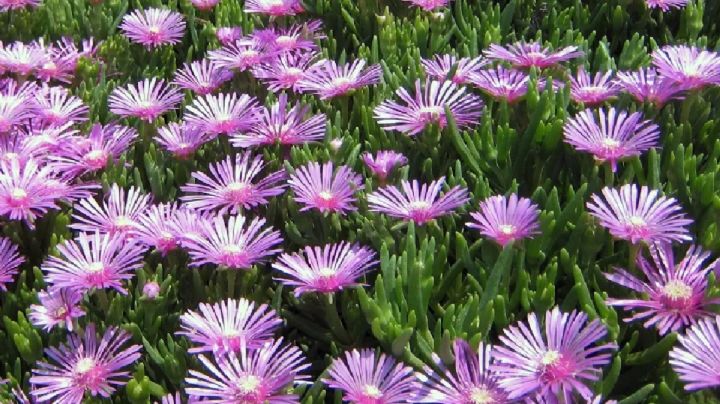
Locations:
{"points": [[429, 5], [92, 153], [526, 55], [204, 4], [189, 225], [666, 5], [696, 357], [223, 113], [278, 125], [151, 290], [57, 308], [367, 378], [674, 293], [325, 269], [7, 5], [645, 85], [229, 325], [25, 193], [427, 107], [593, 90], [228, 35], [10, 261], [147, 100], [181, 140], [21, 58], [232, 185], [383, 162], [153, 27], [416, 202], [238, 56], [439, 67], [201, 77], [640, 215], [284, 71], [234, 244], [55, 106], [559, 362], [87, 364], [325, 188], [690, 67], [275, 8], [505, 219], [16, 104], [119, 214], [328, 80], [298, 38], [154, 229], [611, 135], [508, 84], [251, 376]]}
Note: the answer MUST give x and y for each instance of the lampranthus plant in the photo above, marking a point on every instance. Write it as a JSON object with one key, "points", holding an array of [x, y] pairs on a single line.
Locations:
{"points": [[147, 100], [284, 71], [153, 228], [222, 114], [57, 308], [666, 5], [325, 188], [593, 90], [527, 55], [238, 56], [118, 214], [695, 358], [181, 140], [228, 35], [102, 145], [505, 84], [201, 77], [275, 8], [506, 219], [327, 79], [440, 67], [10, 261], [154, 27], [383, 162], [688, 66], [646, 85]]}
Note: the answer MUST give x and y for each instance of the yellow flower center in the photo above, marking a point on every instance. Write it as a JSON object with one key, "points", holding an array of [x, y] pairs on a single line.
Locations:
{"points": [[419, 205], [479, 395], [550, 358], [507, 229], [18, 193], [677, 290], [637, 221], [84, 365], [610, 143], [96, 267], [248, 383], [372, 391]]}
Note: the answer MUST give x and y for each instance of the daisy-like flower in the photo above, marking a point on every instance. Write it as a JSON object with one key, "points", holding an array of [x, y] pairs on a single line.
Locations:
{"points": [[439, 67], [58, 307], [327, 79], [204, 4], [235, 244], [696, 358], [593, 90], [94, 261], [645, 85], [153, 27], [117, 215], [559, 362], [228, 35], [55, 106], [298, 38], [383, 162], [277, 124], [232, 185], [416, 202], [428, 107], [228, 326], [16, 105], [63, 56], [238, 56], [324, 188], [613, 136], [275, 8], [326, 269], [252, 376], [151, 290], [10, 261], [147, 101], [7, 5], [92, 153], [505, 219], [472, 381], [365, 377], [25, 192], [690, 67], [533, 54], [154, 229], [508, 84], [181, 140], [201, 77], [87, 364], [38, 140], [640, 215], [189, 225], [429, 5], [21, 58], [223, 113], [284, 71], [666, 5], [675, 293], [19, 147]]}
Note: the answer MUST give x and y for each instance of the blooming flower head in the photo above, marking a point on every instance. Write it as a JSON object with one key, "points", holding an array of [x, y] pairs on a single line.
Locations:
{"points": [[147, 101], [508, 84], [7, 5], [33, 140], [232, 185], [593, 90], [201, 77], [223, 113], [559, 362], [696, 357], [688, 66], [253, 376], [10, 261], [16, 104], [324, 188], [416, 202], [18, 146], [613, 136], [228, 326], [505, 219], [189, 225], [427, 107], [666, 5], [92, 153], [154, 228], [298, 38], [21, 58], [439, 67], [228, 35], [204, 4], [117, 215], [62, 58], [645, 85], [640, 215], [366, 378], [284, 71], [675, 293], [58, 307], [527, 55], [238, 56], [181, 140], [429, 5], [277, 124], [325, 269], [85, 364], [383, 162], [55, 106], [327, 79], [24, 190], [154, 27], [275, 8], [234, 244]]}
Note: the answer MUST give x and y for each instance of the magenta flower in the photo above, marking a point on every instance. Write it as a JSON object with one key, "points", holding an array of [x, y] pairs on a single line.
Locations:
{"points": [[37, 140], [367, 378], [674, 294], [7, 5], [228, 35], [593, 90], [22, 59], [10, 261], [383, 162], [416, 202], [223, 113], [92, 153], [58, 307], [504, 219], [613, 136], [251, 376], [560, 362], [508, 84], [284, 71], [645, 85], [278, 125], [85, 364], [325, 269], [324, 188], [527, 55], [327, 79], [181, 140], [233, 185], [439, 67], [16, 104], [201, 77], [62, 58], [189, 225], [299, 38], [25, 192], [55, 106], [666, 5], [117, 215], [153, 27], [229, 326], [690, 67], [696, 359], [204, 4], [275, 8], [154, 230], [234, 244], [640, 216], [238, 56], [429, 5], [150, 99], [428, 107]]}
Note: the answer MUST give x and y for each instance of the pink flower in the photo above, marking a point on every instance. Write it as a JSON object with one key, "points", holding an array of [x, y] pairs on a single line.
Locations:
{"points": [[10, 261], [284, 71], [201, 77], [25, 191], [429, 5], [504, 219], [666, 5], [181, 140], [383, 162], [150, 99], [118, 215], [223, 113], [324, 188], [153, 228], [238, 56], [593, 90], [502, 83], [695, 358], [527, 55], [298, 38], [440, 66], [327, 79], [645, 85], [228, 35], [7, 5], [275, 8], [690, 67], [55, 106], [154, 27], [204, 4], [16, 104], [92, 153], [62, 58], [189, 225], [21, 58], [58, 307]]}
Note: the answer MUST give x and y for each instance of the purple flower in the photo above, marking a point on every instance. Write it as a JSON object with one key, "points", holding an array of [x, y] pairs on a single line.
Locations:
{"points": [[233, 185], [153, 27], [55, 106], [238, 56], [428, 107], [366, 378], [640, 216], [559, 362], [324, 188], [228, 326], [440, 66], [298, 38], [325, 269], [696, 359], [117, 215], [508, 84], [223, 113], [275, 8], [7, 5], [674, 294], [25, 193], [613, 136], [92, 153], [181, 140], [16, 104], [10, 261], [150, 99], [151, 291], [690, 67], [21, 147], [416, 202], [429, 5], [45, 141], [84, 364], [21, 58], [284, 71], [62, 58], [201, 77], [189, 225], [527, 55], [645, 85], [593, 90], [153, 228], [383, 162], [58, 307], [504, 219], [666, 5], [228, 35], [327, 79], [204, 4]]}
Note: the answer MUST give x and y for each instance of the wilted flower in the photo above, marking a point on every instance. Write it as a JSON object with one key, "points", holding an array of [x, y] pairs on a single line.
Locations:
{"points": [[645, 85], [383, 162], [181, 140], [153, 228], [147, 101], [696, 358], [429, 5], [666, 5], [504, 219], [508, 84], [593, 90], [201, 77], [92, 153], [324, 188], [55, 106], [440, 66], [10, 261], [154, 27], [527, 55], [690, 67], [284, 71], [327, 79], [223, 113], [275, 8], [117, 215], [58, 307]]}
